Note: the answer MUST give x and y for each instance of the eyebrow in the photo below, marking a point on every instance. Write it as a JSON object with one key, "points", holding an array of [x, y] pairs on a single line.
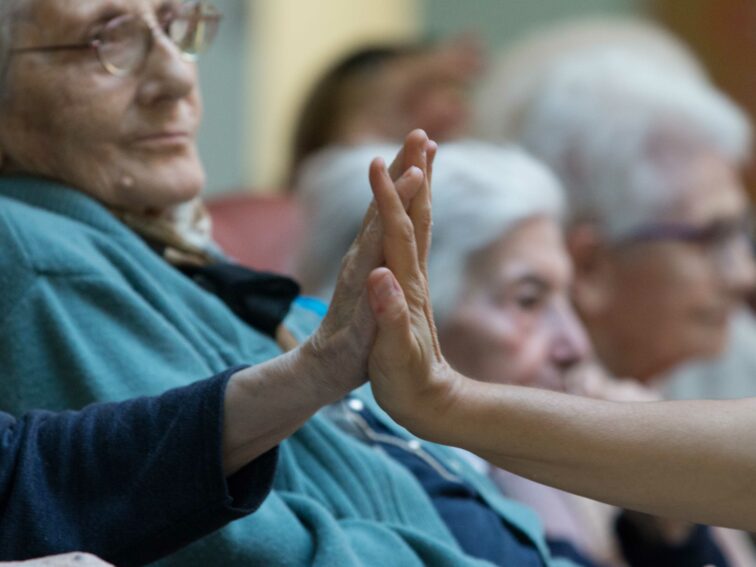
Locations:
{"points": [[530, 279], [526, 278], [165, 4], [84, 20], [104, 11], [108, 10]]}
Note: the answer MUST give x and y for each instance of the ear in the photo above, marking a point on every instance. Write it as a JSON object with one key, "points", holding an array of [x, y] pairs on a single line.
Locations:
{"points": [[592, 264]]}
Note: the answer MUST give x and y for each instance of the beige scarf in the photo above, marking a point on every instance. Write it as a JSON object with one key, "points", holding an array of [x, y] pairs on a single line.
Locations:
{"points": [[182, 235]]}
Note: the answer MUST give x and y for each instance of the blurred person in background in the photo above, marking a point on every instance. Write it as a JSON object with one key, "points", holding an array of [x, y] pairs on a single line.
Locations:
{"points": [[379, 93], [500, 279]]}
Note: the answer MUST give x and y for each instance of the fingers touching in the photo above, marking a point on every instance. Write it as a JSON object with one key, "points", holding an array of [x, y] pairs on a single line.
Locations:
{"points": [[401, 187], [406, 242], [387, 301], [399, 245], [411, 153], [420, 210]]}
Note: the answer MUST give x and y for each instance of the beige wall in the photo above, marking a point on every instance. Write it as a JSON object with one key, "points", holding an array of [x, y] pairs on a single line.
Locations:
{"points": [[293, 42]]}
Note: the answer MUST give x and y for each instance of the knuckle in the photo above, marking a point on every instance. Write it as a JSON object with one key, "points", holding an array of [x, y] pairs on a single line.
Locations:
{"points": [[424, 219], [347, 267], [405, 232]]}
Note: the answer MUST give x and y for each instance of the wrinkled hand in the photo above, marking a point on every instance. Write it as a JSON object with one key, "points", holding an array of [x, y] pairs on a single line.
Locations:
{"points": [[408, 373], [338, 352]]}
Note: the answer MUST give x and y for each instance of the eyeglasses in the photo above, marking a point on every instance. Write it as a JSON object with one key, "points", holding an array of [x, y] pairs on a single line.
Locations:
{"points": [[123, 45], [717, 237]]}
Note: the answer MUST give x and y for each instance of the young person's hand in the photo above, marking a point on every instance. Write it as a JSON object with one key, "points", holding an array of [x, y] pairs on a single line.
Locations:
{"points": [[409, 376]]}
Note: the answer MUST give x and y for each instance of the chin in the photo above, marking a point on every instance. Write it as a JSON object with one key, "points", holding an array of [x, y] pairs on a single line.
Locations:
{"points": [[712, 338], [550, 380], [716, 345], [706, 345], [555, 384], [176, 190]]}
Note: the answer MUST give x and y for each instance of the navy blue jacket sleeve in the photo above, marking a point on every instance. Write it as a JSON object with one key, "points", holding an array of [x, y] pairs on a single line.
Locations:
{"points": [[130, 482]]}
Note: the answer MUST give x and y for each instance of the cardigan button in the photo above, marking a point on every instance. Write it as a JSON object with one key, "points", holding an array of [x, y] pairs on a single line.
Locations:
{"points": [[356, 405]]}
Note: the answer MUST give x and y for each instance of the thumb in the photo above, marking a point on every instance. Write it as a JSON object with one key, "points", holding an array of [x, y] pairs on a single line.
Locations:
{"points": [[391, 312]]}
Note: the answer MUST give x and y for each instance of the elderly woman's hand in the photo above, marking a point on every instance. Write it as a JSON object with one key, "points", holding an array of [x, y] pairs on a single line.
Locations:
{"points": [[408, 373], [337, 353]]}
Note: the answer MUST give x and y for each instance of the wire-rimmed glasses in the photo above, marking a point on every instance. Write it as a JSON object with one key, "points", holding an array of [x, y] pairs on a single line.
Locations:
{"points": [[717, 238], [123, 45]]}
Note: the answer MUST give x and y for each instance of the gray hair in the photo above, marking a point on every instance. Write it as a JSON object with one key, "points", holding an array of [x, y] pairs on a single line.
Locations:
{"points": [[517, 72], [480, 193], [597, 104], [604, 120]]}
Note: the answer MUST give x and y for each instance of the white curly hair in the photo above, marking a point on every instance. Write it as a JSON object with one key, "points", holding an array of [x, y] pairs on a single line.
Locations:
{"points": [[480, 192], [603, 110]]}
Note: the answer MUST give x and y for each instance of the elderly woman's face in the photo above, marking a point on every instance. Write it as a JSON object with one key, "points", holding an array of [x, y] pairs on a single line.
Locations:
{"points": [[667, 300], [128, 141], [514, 322]]}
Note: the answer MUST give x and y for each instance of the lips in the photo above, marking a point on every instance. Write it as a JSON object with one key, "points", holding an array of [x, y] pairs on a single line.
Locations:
{"points": [[163, 140], [161, 135]]}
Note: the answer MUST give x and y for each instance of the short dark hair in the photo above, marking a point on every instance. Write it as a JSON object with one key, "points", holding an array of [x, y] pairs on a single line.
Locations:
{"points": [[320, 113]]}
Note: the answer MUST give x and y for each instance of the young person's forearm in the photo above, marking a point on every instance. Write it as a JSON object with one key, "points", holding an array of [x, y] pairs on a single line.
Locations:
{"points": [[691, 460]]}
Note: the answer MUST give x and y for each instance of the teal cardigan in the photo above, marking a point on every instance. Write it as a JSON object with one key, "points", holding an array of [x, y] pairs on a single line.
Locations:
{"points": [[89, 313]]}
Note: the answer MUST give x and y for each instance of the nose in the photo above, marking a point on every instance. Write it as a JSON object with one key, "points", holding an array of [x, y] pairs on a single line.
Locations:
{"points": [[738, 271], [166, 74], [570, 344]]}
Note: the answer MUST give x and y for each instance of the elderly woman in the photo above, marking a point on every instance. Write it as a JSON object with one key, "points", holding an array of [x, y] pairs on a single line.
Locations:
{"points": [[112, 290], [500, 280]]}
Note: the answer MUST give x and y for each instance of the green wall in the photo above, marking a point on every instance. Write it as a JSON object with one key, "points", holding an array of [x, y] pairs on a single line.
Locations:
{"points": [[222, 79], [501, 21]]}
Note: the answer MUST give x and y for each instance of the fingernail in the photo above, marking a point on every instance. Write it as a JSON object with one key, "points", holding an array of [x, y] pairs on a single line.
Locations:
{"points": [[386, 286], [381, 292], [413, 171]]}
